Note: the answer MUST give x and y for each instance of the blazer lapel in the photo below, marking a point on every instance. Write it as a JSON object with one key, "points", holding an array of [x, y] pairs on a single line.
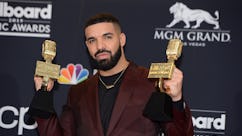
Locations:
{"points": [[93, 104], [124, 94]]}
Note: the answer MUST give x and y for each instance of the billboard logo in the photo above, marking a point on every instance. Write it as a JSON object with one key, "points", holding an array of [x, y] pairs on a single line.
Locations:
{"points": [[25, 18], [28, 12], [183, 13], [73, 74], [190, 32], [208, 122]]}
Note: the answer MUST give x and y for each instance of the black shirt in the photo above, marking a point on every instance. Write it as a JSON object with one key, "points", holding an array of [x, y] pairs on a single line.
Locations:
{"points": [[107, 98]]}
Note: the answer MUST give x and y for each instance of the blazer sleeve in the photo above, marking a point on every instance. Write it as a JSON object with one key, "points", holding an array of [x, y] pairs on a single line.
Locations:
{"points": [[181, 124], [54, 126]]}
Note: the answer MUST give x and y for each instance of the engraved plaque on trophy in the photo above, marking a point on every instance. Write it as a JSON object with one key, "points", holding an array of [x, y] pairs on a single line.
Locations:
{"points": [[159, 106], [46, 69]]}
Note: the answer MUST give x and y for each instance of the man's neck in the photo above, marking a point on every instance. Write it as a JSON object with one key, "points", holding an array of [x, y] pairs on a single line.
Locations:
{"points": [[121, 65]]}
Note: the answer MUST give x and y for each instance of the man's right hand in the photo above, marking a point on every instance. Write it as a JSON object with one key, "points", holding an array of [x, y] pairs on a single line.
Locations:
{"points": [[38, 83]]}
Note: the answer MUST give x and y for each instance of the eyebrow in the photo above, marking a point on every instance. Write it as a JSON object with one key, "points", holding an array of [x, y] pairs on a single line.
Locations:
{"points": [[109, 33], [90, 38]]}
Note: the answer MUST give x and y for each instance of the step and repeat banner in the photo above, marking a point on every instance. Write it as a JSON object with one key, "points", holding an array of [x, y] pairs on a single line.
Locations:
{"points": [[210, 61]]}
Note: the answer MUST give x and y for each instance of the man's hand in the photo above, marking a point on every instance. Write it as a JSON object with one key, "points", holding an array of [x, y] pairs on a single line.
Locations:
{"points": [[38, 83], [173, 86]]}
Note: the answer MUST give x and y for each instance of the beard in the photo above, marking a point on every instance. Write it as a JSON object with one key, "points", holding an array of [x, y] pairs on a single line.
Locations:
{"points": [[106, 64]]}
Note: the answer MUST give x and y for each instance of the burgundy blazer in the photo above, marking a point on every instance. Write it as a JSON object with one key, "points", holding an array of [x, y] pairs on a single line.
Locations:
{"points": [[81, 116]]}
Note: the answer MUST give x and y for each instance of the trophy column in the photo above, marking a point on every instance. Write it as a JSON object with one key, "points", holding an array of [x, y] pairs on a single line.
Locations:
{"points": [[159, 106]]}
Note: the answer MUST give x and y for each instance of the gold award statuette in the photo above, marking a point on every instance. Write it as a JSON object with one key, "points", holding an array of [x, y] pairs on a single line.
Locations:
{"points": [[165, 70], [46, 69], [159, 106]]}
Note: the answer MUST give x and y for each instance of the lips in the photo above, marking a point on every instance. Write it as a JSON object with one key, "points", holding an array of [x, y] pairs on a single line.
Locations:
{"points": [[102, 55]]}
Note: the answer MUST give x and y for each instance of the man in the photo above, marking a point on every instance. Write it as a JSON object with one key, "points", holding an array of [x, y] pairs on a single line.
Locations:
{"points": [[111, 102]]}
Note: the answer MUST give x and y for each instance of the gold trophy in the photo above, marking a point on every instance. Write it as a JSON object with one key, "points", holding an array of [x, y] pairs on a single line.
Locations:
{"points": [[159, 106], [43, 99], [46, 69], [165, 70]]}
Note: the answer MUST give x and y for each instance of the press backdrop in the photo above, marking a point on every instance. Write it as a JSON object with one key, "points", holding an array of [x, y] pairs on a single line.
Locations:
{"points": [[210, 61]]}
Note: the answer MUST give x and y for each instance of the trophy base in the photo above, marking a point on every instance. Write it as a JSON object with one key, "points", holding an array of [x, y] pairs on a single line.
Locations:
{"points": [[159, 107]]}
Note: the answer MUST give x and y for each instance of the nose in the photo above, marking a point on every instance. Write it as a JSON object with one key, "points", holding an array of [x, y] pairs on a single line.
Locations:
{"points": [[100, 44]]}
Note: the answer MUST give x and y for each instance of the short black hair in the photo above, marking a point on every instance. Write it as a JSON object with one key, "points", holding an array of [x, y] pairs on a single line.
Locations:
{"points": [[102, 17]]}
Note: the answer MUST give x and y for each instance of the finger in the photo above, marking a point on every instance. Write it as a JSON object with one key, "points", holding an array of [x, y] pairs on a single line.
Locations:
{"points": [[177, 73], [50, 85], [38, 82], [167, 87], [168, 90]]}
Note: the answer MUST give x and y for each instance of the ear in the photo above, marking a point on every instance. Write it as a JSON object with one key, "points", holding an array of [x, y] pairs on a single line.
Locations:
{"points": [[86, 42], [122, 38]]}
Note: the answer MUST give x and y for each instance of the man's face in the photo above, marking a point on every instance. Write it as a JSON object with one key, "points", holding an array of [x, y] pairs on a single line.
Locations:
{"points": [[104, 42]]}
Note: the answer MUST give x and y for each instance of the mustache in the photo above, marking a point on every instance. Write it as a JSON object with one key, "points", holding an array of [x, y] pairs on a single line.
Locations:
{"points": [[102, 51]]}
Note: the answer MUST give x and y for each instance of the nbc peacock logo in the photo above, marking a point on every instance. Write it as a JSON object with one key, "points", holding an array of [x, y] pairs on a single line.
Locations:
{"points": [[73, 74]]}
